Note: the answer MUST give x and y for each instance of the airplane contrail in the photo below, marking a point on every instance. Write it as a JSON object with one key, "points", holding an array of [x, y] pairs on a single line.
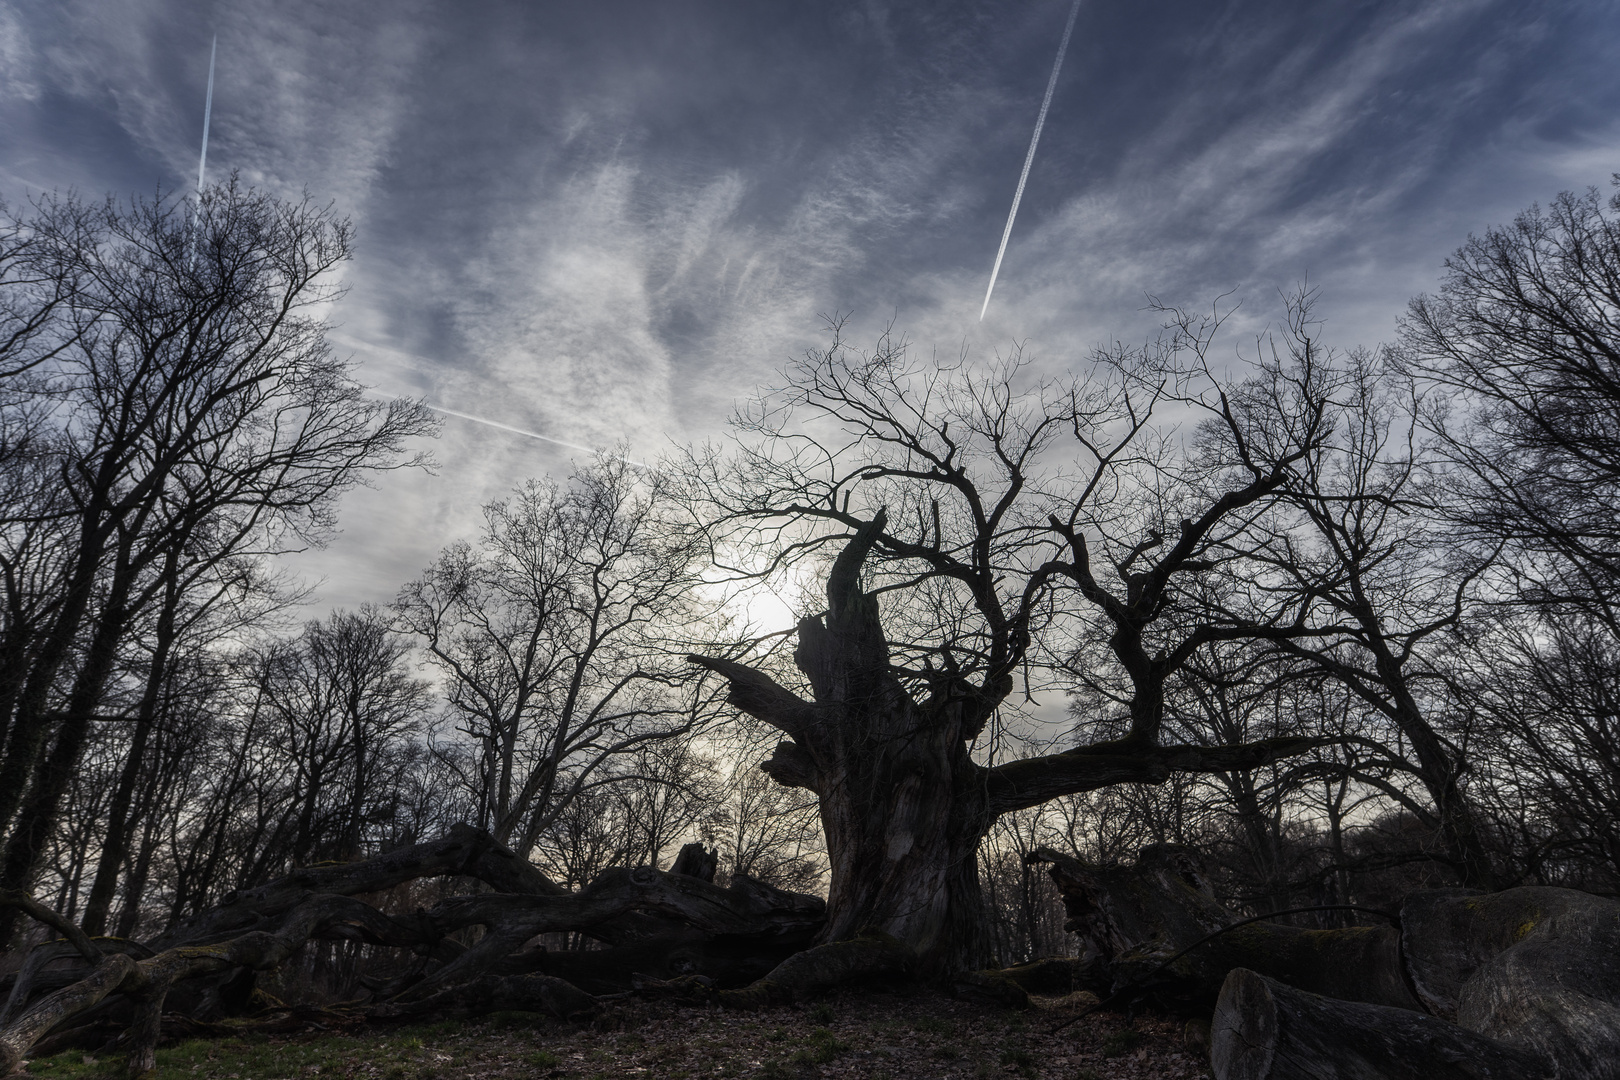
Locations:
{"points": [[202, 162], [535, 435], [1040, 121], [374, 392], [208, 112]]}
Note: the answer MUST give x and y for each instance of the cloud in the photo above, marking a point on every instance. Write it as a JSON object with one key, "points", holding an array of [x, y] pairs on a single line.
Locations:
{"points": [[600, 227], [17, 81]]}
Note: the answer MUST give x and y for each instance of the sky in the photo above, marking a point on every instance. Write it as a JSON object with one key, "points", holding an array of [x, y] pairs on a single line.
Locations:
{"points": [[607, 222]]}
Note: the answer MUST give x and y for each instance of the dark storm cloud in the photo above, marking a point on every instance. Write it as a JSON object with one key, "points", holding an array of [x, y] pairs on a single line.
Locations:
{"points": [[604, 221]]}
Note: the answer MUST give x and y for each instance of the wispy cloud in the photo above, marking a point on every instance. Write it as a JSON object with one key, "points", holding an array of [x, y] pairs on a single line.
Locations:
{"points": [[595, 228]]}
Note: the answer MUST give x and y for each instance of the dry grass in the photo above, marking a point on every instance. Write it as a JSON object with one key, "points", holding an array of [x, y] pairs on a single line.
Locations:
{"points": [[872, 1036]]}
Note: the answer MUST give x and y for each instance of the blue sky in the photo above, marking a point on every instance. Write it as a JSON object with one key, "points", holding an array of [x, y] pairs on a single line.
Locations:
{"points": [[603, 221]]}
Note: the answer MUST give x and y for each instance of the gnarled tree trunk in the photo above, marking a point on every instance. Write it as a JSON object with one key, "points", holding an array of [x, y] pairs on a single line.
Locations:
{"points": [[903, 806]]}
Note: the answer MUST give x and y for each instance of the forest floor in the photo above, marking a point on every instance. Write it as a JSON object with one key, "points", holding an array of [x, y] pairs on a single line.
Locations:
{"points": [[866, 1035]]}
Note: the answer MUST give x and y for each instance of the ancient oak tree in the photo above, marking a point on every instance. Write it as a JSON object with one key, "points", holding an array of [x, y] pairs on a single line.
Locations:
{"points": [[984, 521]]}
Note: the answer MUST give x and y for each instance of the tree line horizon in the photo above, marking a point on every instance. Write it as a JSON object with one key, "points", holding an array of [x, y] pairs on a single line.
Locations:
{"points": [[1342, 619]]}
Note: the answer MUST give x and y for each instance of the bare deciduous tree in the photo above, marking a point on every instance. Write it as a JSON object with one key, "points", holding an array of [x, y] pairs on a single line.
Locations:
{"points": [[558, 636]]}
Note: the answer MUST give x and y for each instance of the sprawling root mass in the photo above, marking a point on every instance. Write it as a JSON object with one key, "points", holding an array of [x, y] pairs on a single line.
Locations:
{"points": [[659, 933]]}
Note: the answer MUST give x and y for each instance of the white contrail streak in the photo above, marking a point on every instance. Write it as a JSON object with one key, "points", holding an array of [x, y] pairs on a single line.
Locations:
{"points": [[536, 435], [514, 430], [424, 361], [208, 112], [1040, 121], [202, 162]]}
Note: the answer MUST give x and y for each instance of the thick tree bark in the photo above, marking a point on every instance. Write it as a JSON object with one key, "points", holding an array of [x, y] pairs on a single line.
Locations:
{"points": [[1534, 967], [902, 803]]}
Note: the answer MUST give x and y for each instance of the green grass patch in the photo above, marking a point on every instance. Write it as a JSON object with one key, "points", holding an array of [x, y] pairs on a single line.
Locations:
{"points": [[396, 1054], [824, 1047], [1121, 1042]]}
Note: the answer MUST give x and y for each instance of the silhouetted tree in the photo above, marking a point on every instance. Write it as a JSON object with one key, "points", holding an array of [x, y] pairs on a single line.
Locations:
{"points": [[182, 397]]}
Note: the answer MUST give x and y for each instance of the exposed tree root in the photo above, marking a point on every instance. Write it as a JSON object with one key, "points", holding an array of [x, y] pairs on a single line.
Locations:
{"points": [[870, 957], [493, 993]]}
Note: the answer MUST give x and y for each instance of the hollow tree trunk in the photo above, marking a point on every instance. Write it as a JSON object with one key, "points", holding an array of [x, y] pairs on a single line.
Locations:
{"points": [[902, 803]]}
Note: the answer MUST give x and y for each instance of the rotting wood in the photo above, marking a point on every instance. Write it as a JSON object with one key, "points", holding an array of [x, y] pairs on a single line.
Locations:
{"points": [[1522, 982]]}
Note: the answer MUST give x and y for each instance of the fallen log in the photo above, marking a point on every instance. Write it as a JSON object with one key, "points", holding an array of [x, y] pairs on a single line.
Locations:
{"points": [[1531, 975], [747, 938], [463, 852], [1534, 967], [1137, 918], [1265, 1029]]}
